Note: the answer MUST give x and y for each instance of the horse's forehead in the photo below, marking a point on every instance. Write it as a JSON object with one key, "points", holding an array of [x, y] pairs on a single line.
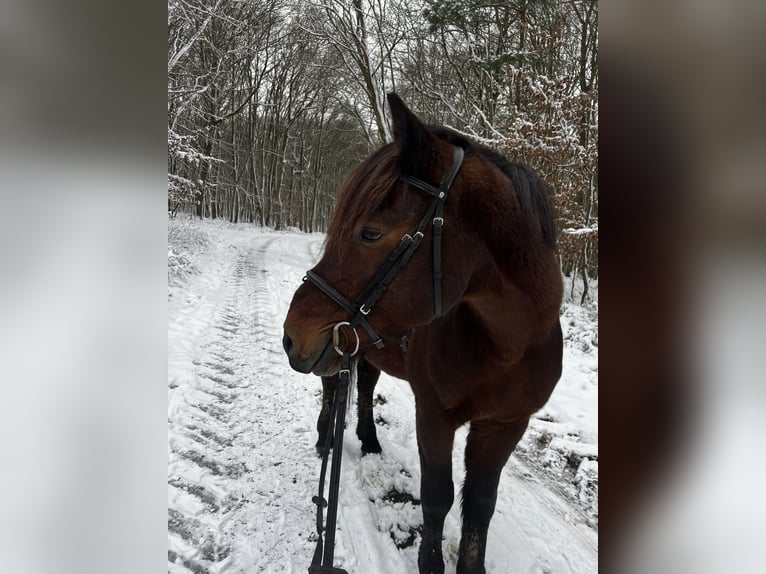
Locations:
{"points": [[369, 194]]}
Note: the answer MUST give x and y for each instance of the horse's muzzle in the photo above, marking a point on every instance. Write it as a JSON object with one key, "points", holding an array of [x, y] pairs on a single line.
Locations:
{"points": [[324, 361], [296, 362]]}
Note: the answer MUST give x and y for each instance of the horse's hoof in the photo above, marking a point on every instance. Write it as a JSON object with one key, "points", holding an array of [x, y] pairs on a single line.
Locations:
{"points": [[320, 450]]}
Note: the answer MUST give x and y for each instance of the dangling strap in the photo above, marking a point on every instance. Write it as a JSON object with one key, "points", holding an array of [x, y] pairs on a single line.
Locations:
{"points": [[323, 554]]}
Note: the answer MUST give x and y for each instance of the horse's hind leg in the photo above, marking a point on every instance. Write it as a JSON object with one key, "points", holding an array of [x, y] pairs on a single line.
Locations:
{"points": [[367, 377], [329, 384], [487, 450]]}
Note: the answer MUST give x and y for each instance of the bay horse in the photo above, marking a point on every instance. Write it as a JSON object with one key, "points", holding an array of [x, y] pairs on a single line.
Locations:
{"points": [[475, 332]]}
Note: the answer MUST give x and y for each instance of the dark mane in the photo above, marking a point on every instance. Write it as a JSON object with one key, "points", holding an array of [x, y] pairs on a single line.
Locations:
{"points": [[531, 190]]}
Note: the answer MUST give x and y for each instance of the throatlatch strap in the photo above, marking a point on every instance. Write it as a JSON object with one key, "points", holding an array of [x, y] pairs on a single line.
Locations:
{"points": [[437, 265], [440, 197]]}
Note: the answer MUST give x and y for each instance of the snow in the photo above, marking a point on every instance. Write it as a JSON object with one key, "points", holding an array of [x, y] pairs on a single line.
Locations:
{"points": [[241, 432], [580, 231]]}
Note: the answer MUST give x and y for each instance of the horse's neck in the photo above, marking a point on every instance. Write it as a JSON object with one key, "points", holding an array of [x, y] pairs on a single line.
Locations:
{"points": [[492, 326], [501, 326], [499, 319]]}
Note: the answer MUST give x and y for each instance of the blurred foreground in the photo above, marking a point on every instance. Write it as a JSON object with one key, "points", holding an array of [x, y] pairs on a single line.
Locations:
{"points": [[683, 272]]}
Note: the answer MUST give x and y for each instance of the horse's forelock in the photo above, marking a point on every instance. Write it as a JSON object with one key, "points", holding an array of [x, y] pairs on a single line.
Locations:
{"points": [[361, 195]]}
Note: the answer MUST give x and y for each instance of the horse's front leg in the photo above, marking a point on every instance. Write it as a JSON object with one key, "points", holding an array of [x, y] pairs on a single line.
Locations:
{"points": [[329, 384], [435, 437], [487, 450], [367, 378]]}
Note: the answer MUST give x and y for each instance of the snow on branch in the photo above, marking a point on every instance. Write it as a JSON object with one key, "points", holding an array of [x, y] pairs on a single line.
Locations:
{"points": [[580, 231]]}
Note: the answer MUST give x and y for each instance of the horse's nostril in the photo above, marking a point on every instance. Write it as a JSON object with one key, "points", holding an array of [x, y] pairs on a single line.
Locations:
{"points": [[287, 343]]}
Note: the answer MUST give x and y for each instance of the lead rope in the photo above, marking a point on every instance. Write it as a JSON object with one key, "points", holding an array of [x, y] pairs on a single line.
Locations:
{"points": [[322, 562]]}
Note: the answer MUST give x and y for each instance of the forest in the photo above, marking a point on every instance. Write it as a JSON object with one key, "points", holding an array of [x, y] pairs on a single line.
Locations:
{"points": [[272, 102]]}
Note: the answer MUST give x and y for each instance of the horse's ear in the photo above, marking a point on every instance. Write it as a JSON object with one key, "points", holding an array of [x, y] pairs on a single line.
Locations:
{"points": [[417, 146]]}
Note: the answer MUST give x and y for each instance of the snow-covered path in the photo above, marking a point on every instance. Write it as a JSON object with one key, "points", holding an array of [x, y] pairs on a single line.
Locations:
{"points": [[242, 465]]}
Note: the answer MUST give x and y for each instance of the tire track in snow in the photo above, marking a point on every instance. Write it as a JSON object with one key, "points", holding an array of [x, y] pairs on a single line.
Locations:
{"points": [[233, 492], [203, 471]]}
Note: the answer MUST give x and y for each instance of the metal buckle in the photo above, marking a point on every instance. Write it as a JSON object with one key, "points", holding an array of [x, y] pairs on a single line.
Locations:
{"points": [[336, 338], [440, 220], [419, 235], [364, 310]]}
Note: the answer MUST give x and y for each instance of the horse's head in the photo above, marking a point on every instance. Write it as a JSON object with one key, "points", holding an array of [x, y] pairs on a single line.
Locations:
{"points": [[375, 209]]}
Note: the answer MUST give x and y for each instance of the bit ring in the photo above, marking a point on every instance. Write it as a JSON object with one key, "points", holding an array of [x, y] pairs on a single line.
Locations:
{"points": [[336, 338]]}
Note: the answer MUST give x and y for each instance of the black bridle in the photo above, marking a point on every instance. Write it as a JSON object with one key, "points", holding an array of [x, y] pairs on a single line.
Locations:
{"points": [[359, 309], [399, 257]]}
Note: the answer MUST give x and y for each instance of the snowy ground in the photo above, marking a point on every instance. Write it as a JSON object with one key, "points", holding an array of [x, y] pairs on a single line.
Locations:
{"points": [[241, 433]]}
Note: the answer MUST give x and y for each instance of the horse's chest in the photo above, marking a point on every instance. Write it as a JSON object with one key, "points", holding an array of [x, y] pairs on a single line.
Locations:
{"points": [[390, 360]]}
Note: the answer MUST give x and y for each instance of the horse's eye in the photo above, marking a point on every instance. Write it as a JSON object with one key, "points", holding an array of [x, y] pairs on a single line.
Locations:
{"points": [[369, 235]]}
